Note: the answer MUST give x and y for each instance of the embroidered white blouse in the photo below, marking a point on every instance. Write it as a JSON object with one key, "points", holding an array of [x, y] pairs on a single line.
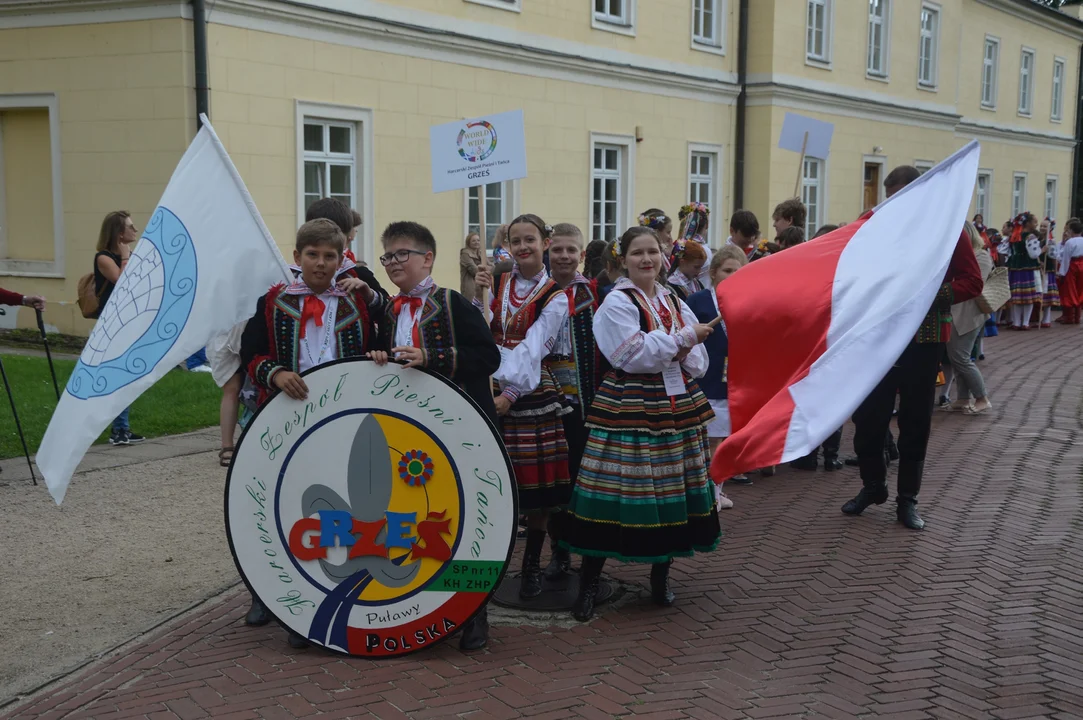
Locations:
{"points": [[520, 367], [627, 347]]}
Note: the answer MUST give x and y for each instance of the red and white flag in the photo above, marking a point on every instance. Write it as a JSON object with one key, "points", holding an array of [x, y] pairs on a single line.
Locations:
{"points": [[812, 330]]}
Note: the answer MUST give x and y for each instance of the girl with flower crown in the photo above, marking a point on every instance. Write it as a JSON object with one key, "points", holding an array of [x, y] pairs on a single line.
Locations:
{"points": [[689, 259], [529, 312], [693, 217], [1024, 270]]}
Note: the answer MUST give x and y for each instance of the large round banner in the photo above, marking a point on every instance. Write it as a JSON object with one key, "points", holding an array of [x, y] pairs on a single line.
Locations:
{"points": [[376, 517]]}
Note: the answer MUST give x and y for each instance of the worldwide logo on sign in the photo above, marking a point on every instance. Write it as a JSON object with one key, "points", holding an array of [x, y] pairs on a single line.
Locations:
{"points": [[374, 518], [477, 141]]}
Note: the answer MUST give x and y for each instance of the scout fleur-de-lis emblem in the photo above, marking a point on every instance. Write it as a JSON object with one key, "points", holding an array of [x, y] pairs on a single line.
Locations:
{"points": [[368, 486]]}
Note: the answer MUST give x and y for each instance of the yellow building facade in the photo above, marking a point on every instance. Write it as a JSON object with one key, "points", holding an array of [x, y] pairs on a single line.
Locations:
{"points": [[629, 104]]}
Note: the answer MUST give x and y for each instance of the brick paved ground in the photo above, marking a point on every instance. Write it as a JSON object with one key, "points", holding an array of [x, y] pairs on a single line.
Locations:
{"points": [[804, 612]]}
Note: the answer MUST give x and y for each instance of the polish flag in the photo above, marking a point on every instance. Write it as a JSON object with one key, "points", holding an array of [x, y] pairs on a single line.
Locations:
{"points": [[812, 330]]}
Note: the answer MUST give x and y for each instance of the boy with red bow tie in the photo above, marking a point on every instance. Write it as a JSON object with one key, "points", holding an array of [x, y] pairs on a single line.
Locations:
{"points": [[440, 330]]}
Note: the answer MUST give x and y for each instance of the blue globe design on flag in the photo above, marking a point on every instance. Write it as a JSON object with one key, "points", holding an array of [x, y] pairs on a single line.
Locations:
{"points": [[145, 314]]}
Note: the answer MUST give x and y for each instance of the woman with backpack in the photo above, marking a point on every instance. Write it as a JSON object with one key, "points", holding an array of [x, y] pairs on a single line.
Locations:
{"points": [[117, 235]]}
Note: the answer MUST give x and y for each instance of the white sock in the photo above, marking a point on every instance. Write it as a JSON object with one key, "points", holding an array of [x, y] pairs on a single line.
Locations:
{"points": [[1017, 315], [1028, 309], [1047, 315]]}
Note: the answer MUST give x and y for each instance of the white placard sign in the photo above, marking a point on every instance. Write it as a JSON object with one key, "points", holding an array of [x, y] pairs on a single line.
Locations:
{"points": [[819, 132], [478, 151]]}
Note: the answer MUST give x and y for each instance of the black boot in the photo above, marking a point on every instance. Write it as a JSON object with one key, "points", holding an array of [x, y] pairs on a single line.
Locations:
{"points": [[257, 614], [560, 563], [831, 464], [531, 578], [909, 485], [873, 490], [660, 592], [589, 575], [476, 632], [807, 463], [298, 641]]}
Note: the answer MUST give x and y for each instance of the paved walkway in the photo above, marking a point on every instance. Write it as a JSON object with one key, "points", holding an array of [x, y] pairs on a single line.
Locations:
{"points": [[803, 613]]}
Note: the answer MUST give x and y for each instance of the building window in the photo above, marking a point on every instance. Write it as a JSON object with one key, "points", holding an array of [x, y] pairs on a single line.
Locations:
{"points": [[1051, 197], [818, 31], [1058, 90], [707, 23], [1026, 82], [1019, 193], [928, 46], [812, 185], [923, 166], [607, 178], [981, 194], [990, 66], [703, 183], [613, 12], [330, 161], [879, 33], [488, 207]]}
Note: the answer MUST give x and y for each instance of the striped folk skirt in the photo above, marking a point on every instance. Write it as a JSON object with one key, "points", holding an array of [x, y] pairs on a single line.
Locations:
{"points": [[534, 437], [643, 494], [1051, 296], [1026, 287]]}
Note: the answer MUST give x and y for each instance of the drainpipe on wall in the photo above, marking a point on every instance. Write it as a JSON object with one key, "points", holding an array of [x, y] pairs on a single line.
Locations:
{"points": [[739, 129], [199, 36], [1076, 206]]}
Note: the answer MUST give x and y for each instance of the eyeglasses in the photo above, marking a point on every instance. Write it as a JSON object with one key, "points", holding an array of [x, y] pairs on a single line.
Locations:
{"points": [[399, 256]]}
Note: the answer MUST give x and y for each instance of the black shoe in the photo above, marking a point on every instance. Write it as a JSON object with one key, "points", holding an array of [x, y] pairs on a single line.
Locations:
{"points": [[560, 564], [907, 513], [740, 480], [944, 401], [807, 463], [133, 438], [589, 575], [298, 641], [257, 614], [119, 437], [832, 464], [660, 592], [476, 632], [530, 583], [865, 498], [852, 461]]}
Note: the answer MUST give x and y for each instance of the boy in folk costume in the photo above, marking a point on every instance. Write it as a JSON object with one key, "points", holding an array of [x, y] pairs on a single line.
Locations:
{"points": [[1070, 271], [1024, 270], [436, 328], [300, 326], [529, 313], [576, 362]]}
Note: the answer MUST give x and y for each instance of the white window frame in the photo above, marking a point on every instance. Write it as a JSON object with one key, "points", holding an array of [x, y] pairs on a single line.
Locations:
{"points": [[992, 66], [718, 45], [813, 221], [880, 160], [714, 229], [885, 45], [982, 201], [626, 186], [1056, 111], [512, 5], [54, 268], [823, 60], [1050, 203], [1026, 100], [934, 47], [1019, 199], [924, 166], [611, 23], [364, 245], [512, 196]]}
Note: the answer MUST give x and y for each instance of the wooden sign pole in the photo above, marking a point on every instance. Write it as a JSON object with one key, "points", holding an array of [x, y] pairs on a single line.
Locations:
{"points": [[800, 167]]}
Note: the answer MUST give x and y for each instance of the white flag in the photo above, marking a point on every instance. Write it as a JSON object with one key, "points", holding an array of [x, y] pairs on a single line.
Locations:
{"points": [[203, 261]]}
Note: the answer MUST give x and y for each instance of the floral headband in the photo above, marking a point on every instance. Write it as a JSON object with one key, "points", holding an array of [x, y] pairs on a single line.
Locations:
{"points": [[654, 222], [679, 247], [694, 216], [1018, 223]]}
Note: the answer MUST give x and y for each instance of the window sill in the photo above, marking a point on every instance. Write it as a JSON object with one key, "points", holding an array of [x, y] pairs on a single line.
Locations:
{"points": [[1057, 120], [609, 26], [509, 5], [1024, 114], [818, 63], [928, 88], [989, 108], [877, 77], [708, 47]]}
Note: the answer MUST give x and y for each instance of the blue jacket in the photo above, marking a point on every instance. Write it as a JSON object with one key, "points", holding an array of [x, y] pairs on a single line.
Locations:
{"points": [[713, 383]]}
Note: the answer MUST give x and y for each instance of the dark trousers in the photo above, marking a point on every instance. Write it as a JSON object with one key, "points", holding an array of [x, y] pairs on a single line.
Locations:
{"points": [[830, 446], [914, 378]]}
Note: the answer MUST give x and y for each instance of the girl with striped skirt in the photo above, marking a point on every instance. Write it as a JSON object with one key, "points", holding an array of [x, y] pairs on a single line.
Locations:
{"points": [[643, 494], [529, 312]]}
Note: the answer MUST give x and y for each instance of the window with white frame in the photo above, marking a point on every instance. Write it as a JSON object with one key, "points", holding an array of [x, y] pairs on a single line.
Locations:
{"points": [[818, 30], [1019, 193], [879, 32], [981, 194], [487, 208], [929, 46], [607, 178], [923, 166], [1056, 113], [613, 12], [707, 22], [703, 182], [330, 157], [1051, 196], [990, 67], [812, 189], [1026, 82]]}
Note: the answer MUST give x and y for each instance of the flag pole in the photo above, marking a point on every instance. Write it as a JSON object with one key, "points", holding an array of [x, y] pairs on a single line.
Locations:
{"points": [[48, 354], [18, 425]]}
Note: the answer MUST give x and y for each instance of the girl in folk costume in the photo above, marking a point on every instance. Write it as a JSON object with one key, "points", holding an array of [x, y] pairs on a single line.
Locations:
{"points": [[693, 217], [1024, 270], [689, 259], [1070, 270], [576, 362], [1050, 260], [662, 224], [642, 494], [529, 313]]}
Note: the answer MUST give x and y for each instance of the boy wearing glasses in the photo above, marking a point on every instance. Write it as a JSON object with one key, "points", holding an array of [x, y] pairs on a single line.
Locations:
{"points": [[438, 329]]}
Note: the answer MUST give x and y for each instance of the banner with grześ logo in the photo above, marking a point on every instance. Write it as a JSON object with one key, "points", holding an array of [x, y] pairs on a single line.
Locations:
{"points": [[478, 151], [377, 517]]}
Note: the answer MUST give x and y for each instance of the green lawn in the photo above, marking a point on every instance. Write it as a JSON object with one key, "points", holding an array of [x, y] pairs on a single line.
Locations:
{"points": [[179, 402]]}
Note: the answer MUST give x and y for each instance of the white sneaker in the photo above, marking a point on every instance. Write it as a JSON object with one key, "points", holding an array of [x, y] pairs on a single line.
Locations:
{"points": [[721, 501]]}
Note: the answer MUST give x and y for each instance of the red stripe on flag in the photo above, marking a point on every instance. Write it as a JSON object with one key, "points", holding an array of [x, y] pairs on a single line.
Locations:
{"points": [[777, 313]]}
